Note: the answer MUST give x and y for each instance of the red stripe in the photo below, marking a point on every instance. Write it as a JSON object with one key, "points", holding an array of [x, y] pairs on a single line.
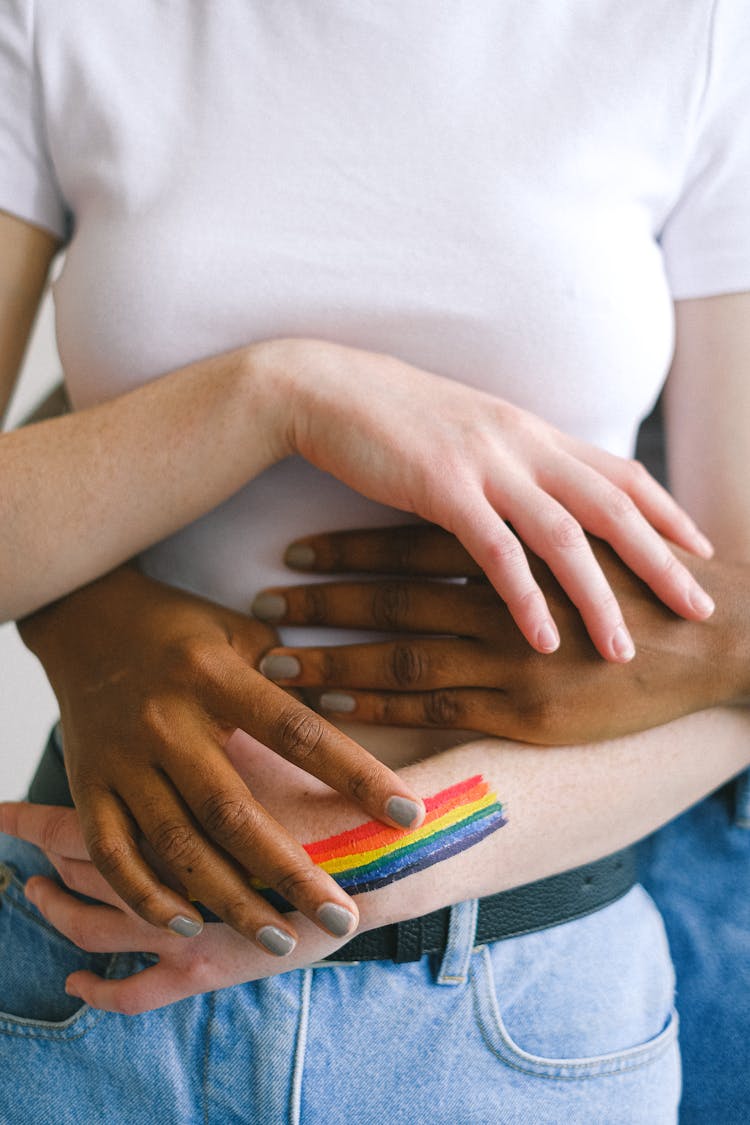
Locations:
{"points": [[378, 835]]}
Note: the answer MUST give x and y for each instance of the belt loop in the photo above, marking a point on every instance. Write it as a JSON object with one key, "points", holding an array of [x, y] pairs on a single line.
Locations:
{"points": [[462, 928]]}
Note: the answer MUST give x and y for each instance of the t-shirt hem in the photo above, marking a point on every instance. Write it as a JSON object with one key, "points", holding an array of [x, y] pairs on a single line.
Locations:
{"points": [[709, 279], [29, 205]]}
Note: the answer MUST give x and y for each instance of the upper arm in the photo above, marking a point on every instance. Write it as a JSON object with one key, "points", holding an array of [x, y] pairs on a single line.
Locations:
{"points": [[26, 253], [707, 418]]}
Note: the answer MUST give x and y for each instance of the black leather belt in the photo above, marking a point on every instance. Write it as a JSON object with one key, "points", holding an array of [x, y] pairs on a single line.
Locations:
{"points": [[521, 910]]}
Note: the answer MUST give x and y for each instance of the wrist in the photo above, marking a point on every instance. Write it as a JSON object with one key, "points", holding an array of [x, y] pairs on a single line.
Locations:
{"points": [[307, 378], [732, 652], [278, 373], [50, 631]]}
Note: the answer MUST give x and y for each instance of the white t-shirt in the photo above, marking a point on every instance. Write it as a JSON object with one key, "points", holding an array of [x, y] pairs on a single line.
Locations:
{"points": [[507, 193]]}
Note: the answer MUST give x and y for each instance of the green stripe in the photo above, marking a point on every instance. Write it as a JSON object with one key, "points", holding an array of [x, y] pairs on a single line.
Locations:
{"points": [[415, 846]]}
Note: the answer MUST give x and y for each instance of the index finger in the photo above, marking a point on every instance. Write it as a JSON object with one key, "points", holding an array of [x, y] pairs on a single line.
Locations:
{"points": [[53, 828], [405, 549], [252, 703]]}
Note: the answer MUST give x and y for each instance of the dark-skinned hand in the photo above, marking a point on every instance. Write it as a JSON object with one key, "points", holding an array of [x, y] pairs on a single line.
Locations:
{"points": [[152, 682], [459, 663]]}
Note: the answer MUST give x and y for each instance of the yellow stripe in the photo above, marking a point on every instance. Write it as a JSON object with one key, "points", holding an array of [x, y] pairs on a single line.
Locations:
{"points": [[454, 816]]}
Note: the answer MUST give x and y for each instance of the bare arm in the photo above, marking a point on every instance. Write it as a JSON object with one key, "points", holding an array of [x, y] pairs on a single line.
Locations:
{"points": [[142, 465], [707, 415], [565, 805], [135, 468]]}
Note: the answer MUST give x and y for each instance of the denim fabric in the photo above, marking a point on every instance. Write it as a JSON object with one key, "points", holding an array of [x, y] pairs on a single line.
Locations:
{"points": [[698, 870], [573, 1024]]}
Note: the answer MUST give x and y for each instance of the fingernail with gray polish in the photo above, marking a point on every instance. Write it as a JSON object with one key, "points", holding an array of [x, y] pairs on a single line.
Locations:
{"points": [[185, 927], [275, 941], [300, 555], [280, 667], [337, 701], [337, 919], [403, 811], [269, 607]]}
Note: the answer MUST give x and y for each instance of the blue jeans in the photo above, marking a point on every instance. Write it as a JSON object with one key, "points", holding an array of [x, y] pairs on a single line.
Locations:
{"points": [[572, 1024], [698, 870]]}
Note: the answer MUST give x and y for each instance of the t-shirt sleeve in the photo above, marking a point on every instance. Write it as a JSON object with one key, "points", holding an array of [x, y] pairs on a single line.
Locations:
{"points": [[28, 186], [706, 238]]}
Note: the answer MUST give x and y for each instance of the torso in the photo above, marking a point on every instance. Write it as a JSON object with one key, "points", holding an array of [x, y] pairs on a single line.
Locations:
{"points": [[479, 191]]}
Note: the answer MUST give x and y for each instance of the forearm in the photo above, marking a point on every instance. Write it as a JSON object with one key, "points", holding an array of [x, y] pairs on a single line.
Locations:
{"points": [[82, 493], [565, 806]]}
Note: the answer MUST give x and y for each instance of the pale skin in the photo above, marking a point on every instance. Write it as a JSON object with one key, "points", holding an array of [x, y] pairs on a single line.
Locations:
{"points": [[96, 468], [515, 866], [264, 402]]}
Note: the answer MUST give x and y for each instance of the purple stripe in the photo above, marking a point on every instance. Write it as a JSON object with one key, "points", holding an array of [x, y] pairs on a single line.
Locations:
{"points": [[361, 872], [431, 855]]}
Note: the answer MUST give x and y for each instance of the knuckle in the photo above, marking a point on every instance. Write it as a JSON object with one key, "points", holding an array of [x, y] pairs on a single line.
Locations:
{"points": [[405, 545], [124, 1002], [65, 870], [154, 718], [566, 533], [637, 474], [608, 607], [76, 932], [390, 604], [539, 711], [175, 842], [506, 552], [618, 505], [408, 666], [295, 885], [441, 708], [145, 903], [238, 913], [301, 733], [671, 568], [331, 667], [530, 601], [226, 818], [109, 854], [314, 605], [385, 708], [52, 830], [197, 660], [363, 780]]}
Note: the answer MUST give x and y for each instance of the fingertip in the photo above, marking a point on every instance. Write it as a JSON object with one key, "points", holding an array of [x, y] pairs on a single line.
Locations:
{"points": [[300, 556], [274, 940], [269, 607], [704, 546], [31, 886], [547, 638], [71, 990], [185, 926], [404, 812], [701, 603], [338, 920], [622, 647]]}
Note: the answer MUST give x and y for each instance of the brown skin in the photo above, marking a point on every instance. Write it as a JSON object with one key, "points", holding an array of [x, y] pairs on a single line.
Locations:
{"points": [[482, 676], [152, 682]]}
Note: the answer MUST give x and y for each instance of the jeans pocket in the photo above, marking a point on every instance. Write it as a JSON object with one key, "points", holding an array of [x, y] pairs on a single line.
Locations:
{"points": [[35, 962], [586, 999]]}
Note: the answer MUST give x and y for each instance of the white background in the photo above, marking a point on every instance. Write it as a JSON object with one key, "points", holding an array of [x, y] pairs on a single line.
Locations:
{"points": [[27, 704]]}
